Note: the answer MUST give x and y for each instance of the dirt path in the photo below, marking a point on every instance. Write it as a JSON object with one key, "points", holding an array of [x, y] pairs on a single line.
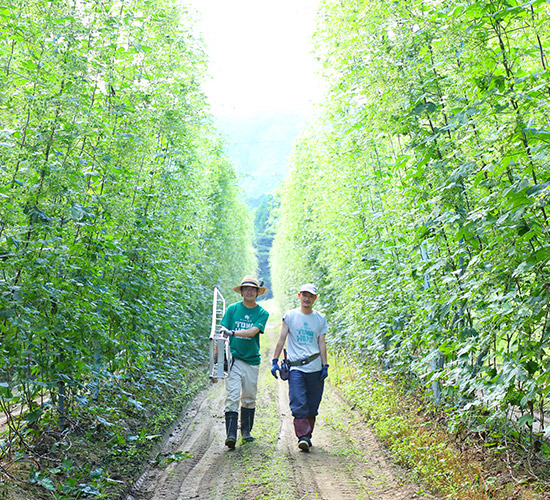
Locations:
{"points": [[346, 462]]}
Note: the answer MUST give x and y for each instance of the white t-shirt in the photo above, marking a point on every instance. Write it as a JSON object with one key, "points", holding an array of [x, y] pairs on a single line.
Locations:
{"points": [[303, 337]]}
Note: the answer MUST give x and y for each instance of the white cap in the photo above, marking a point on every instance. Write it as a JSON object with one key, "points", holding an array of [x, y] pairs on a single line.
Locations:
{"points": [[309, 287]]}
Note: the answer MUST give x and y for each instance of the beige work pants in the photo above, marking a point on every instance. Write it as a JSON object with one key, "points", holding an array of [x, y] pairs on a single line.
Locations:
{"points": [[241, 384]]}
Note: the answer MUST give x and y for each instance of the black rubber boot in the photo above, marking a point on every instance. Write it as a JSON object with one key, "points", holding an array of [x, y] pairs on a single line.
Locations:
{"points": [[247, 421], [231, 418]]}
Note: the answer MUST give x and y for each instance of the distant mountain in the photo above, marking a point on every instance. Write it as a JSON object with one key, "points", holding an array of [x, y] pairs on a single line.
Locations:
{"points": [[259, 146]]}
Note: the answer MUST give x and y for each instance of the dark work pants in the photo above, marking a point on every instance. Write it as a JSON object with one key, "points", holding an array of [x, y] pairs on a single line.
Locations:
{"points": [[305, 391]]}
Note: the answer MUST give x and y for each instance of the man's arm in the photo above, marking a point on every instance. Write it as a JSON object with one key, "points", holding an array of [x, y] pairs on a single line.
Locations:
{"points": [[249, 332], [281, 341], [323, 349]]}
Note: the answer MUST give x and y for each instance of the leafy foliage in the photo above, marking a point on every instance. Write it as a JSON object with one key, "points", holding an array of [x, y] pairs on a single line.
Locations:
{"points": [[419, 201], [264, 234], [119, 210]]}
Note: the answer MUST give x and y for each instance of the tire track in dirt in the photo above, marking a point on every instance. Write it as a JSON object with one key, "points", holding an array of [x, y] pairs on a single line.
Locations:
{"points": [[197, 437], [345, 463], [312, 474]]}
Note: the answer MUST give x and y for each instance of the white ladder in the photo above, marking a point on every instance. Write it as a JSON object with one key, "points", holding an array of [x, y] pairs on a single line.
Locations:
{"points": [[220, 354]]}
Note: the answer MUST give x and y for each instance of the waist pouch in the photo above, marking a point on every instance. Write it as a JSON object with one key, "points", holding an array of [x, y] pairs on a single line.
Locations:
{"points": [[285, 369], [304, 361]]}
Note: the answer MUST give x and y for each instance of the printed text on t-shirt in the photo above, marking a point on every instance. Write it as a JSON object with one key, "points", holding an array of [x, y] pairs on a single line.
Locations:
{"points": [[242, 325], [304, 336]]}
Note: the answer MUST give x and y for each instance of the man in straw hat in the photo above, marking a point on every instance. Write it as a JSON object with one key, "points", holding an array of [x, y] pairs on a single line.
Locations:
{"points": [[243, 322], [305, 329]]}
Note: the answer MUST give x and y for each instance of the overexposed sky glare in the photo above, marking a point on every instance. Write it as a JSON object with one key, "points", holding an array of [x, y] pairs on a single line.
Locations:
{"points": [[260, 54]]}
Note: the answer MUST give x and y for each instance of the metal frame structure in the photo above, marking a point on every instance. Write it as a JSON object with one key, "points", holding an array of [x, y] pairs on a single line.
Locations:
{"points": [[220, 354]]}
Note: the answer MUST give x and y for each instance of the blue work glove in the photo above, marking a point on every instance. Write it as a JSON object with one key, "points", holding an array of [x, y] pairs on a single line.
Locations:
{"points": [[275, 367], [324, 372]]}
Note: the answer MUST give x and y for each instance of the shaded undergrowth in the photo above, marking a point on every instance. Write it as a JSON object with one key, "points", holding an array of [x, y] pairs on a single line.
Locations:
{"points": [[104, 443]]}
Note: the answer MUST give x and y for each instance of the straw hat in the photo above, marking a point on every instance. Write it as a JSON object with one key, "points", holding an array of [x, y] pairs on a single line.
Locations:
{"points": [[251, 281]]}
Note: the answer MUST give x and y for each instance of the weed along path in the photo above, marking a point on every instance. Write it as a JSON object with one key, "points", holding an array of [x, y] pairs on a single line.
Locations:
{"points": [[345, 462]]}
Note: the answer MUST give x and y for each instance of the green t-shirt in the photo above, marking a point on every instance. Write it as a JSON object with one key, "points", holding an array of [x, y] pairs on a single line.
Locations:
{"points": [[239, 317]]}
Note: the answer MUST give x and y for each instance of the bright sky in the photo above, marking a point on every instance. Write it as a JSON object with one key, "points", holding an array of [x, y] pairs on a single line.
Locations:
{"points": [[260, 54]]}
